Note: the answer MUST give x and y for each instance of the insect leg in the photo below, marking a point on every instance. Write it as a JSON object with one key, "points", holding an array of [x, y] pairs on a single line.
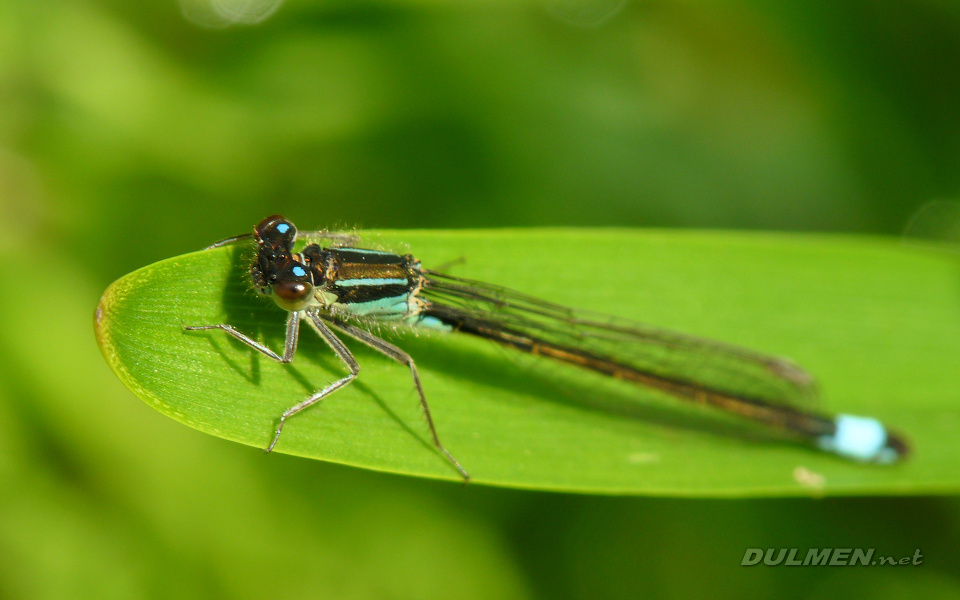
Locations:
{"points": [[391, 351], [289, 343], [229, 240], [336, 236], [342, 352]]}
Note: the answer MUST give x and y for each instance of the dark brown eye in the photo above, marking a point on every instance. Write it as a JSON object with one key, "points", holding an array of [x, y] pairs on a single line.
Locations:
{"points": [[277, 233], [293, 287]]}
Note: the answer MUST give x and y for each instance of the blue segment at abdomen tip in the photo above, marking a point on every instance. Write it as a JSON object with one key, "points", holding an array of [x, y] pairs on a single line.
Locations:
{"points": [[860, 438], [432, 323]]}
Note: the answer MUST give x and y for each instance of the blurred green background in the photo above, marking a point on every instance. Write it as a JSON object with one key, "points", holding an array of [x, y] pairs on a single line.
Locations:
{"points": [[128, 134]]}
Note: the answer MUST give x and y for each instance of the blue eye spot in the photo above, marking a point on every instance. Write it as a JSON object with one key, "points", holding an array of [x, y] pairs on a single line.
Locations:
{"points": [[283, 228], [299, 272]]}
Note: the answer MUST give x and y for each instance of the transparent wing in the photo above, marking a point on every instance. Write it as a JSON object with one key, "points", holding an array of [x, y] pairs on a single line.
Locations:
{"points": [[708, 363]]}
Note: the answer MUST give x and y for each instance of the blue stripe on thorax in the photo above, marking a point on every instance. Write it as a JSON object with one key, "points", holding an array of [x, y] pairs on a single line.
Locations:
{"points": [[365, 251], [390, 306], [371, 281]]}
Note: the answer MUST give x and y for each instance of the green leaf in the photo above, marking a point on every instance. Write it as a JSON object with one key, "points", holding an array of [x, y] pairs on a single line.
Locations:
{"points": [[877, 322]]}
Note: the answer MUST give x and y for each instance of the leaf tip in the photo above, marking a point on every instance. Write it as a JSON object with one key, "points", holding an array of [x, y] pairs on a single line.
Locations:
{"points": [[103, 320]]}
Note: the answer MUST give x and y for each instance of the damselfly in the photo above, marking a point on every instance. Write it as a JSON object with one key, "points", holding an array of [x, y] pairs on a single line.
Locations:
{"points": [[343, 288]]}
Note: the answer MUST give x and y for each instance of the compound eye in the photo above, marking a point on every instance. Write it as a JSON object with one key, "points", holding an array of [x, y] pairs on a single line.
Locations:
{"points": [[293, 287], [277, 232]]}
